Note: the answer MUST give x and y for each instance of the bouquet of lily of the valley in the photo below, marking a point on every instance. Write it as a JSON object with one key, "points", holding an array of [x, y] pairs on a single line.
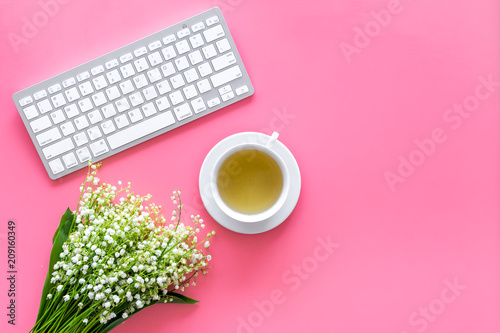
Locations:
{"points": [[114, 256]]}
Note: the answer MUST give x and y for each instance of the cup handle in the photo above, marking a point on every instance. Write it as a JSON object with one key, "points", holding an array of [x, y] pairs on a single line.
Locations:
{"points": [[272, 140]]}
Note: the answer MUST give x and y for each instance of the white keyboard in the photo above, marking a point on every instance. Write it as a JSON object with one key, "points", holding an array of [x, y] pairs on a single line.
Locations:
{"points": [[134, 93]]}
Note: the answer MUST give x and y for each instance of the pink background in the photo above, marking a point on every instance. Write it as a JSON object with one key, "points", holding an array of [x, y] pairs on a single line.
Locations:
{"points": [[420, 256]]}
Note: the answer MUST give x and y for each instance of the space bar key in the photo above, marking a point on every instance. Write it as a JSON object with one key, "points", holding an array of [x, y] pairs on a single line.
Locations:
{"points": [[140, 130]]}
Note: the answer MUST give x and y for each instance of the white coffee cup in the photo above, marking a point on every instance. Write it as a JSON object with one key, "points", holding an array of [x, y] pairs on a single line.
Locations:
{"points": [[267, 148]]}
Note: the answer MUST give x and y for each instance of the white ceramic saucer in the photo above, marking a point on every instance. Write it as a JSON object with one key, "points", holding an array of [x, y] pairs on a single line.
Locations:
{"points": [[249, 227]]}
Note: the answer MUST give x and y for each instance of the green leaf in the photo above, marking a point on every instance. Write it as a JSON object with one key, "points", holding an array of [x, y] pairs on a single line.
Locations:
{"points": [[177, 298], [58, 240], [55, 233], [170, 298]]}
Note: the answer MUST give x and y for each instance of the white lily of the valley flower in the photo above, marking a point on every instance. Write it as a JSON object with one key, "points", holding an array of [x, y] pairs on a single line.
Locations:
{"points": [[122, 256]]}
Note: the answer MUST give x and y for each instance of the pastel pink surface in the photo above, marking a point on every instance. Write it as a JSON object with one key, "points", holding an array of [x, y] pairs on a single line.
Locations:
{"points": [[410, 254]]}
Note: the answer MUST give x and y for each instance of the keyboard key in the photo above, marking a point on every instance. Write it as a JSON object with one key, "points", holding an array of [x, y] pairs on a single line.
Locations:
{"points": [[94, 133], [99, 99], [113, 76], [108, 127], [196, 41], [57, 117], [223, 61], [163, 87], [97, 70], [182, 111], [122, 105], [40, 124], [25, 101], [205, 69], [191, 75], [241, 90], [98, 148], [140, 51], [58, 148], [111, 64], [209, 51], [140, 81], [182, 46], [149, 109], [141, 64], [213, 102], [126, 57], [190, 91], [198, 105], [67, 128], [83, 154], [69, 160], [121, 121], [126, 87], [181, 63], [40, 94], [198, 26], [44, 106], [168, 69], [183, 33], [154, 45], [226, 97], [81, 122], [162, 103], [195, 57], [168, 52], [94, 117], [49, 136], [155, 58], [141, 129], [108, 111], [85, 104], [69, 82], [203, 86], [225, 89], [83, 76], [177, 81], [127, 70], [80, 139], [56, 166], [169, 39], [72, 94], [176, 97], [136, 99], [214, 33], [154, 75], [223, 45], [135, 115], [226, 76], [212, 20], [112, 93], [30, 112], [99, 82], [55, 88], [71, 111], [86, 88], [149, 93]]}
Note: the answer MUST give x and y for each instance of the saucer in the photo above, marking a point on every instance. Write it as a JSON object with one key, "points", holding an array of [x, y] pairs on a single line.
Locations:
{"points": [[227, 221]]}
